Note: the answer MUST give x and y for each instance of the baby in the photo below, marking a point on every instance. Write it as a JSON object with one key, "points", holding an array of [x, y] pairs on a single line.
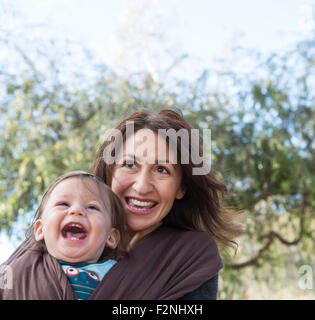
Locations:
{"points": [[78, 220]]}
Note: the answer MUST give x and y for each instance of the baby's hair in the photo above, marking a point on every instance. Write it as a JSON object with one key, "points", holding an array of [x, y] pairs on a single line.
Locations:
{"points": [[117, 216]]}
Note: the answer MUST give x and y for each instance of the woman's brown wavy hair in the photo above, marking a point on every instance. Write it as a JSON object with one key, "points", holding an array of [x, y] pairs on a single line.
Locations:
{"points": [[201, 208]]}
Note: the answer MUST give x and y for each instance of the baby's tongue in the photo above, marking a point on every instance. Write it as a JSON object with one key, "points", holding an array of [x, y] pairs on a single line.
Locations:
{"points": [[76, 235]]}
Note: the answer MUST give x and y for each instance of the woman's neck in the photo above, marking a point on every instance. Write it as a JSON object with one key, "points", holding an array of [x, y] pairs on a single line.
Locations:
{"points": [[135, 236]]}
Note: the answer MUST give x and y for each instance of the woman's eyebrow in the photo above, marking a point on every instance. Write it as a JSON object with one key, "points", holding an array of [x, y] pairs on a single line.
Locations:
{"points": [[129, 155], [157, 161]]}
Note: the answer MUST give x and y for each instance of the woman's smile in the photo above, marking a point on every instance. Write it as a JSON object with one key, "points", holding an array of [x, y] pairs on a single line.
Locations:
{"points": [[140, 206]]}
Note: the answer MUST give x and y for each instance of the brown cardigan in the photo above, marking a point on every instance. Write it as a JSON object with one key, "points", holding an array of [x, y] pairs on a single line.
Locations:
{"points": [[166, 264]]}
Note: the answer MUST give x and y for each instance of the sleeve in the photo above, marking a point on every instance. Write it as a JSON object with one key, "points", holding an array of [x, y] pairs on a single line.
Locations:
{"points": [[207, 291], [33, 275]]}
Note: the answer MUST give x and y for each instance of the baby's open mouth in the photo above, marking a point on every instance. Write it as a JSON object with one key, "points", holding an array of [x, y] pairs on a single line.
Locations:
{"points": [[74, 231]]}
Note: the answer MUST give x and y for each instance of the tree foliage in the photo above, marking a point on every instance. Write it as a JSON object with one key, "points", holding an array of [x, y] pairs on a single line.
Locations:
{"points": [[53, 117]]}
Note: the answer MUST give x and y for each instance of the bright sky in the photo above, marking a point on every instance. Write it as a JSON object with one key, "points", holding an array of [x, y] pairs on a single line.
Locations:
{"points": [[202, 28]]}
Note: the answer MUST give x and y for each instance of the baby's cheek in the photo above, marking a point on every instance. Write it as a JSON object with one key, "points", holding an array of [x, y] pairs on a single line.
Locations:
{"points": [[102, 224]]}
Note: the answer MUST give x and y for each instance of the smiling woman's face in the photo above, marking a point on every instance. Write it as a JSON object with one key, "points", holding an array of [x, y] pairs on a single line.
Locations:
{"points": [[146, 188]]}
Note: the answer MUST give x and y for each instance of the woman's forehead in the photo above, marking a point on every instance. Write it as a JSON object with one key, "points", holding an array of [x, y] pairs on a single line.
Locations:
{"points": [[149, 146]]}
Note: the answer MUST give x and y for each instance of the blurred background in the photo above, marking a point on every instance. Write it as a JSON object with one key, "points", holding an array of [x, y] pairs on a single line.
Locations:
{"points": [[71, 69]]}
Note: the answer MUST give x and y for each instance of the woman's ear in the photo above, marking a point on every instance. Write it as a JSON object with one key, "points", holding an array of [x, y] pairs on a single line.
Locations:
{"points": [[180, 192], [38, 230], [113, 239]]}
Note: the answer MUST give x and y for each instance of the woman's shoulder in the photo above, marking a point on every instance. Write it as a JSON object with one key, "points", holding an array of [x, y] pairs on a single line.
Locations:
{"points": [[192, 236], [185, 240]]}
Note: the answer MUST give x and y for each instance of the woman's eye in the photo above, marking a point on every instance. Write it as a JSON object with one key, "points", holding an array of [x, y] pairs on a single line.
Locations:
{"points": [[129, 164], [161, 169]]}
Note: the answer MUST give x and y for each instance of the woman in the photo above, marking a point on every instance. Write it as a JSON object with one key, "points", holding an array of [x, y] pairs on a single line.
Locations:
{"points": [[173, 215], [145, 162]]}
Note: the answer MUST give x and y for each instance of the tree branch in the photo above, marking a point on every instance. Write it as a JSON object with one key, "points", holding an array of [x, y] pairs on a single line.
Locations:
{"points": [[254, 260], [272, 235]]}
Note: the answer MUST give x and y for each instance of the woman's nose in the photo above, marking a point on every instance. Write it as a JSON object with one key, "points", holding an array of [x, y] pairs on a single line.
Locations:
{"points": [[143, 183]]}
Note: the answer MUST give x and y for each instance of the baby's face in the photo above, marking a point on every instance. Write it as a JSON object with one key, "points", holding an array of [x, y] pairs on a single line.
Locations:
{"points": [[75, 223]]}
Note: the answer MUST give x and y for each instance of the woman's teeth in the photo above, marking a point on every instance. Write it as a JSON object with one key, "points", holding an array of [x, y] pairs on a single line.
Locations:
{"points": [[138, 203]]}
